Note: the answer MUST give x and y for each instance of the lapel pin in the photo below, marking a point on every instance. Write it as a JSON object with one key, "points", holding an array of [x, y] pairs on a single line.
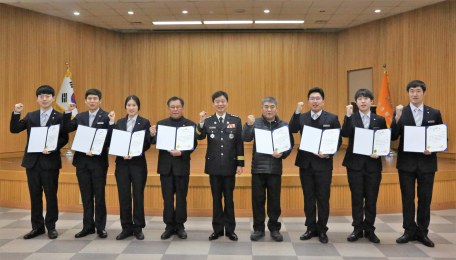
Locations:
{"points": [[52, 117], [99, 116], [227, 123], [138, 123]]}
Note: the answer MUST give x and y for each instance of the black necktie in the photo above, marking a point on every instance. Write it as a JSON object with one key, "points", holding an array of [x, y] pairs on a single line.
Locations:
{"points": [[221, 120]]}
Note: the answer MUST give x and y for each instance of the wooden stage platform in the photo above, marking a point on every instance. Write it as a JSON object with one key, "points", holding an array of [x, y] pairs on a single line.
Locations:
{"points": [[14, 191]]}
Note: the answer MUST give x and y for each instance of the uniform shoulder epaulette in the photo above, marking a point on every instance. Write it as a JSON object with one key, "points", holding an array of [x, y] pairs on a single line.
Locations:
{"points": [[208, 117], [234, 115]]}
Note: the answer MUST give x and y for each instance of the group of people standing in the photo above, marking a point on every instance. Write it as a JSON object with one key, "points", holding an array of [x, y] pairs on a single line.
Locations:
{"points": [[224, 159]]}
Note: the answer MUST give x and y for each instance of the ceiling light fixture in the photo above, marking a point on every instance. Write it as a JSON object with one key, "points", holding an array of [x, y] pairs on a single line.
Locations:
{"points": [[177, 22], [279, 21], [130, 12], [76, 13], [378, 11], [228, 22], [185, 12], [266, 11]]}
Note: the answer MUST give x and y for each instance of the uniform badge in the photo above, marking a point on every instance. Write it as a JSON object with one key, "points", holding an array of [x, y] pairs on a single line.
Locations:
{"points": [[212, 135], [231, 136], [215, 123]]}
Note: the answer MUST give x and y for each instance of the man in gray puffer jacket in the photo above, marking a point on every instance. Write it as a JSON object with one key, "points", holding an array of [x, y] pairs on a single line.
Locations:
{"points": [[266, 172]]}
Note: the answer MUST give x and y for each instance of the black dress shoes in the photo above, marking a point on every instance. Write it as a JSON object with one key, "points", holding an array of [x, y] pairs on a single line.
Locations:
{"points": [[34, 233], [256, 235], [124, 235], [423, 239], [405, 239], [308, 235], [167, 234], [354, 236], [84, 233], [102, 234], [372, 237], [182, 234], [139, 235], [215, 235], [323, 238], [232, 236], [52, 234], [276, 236]]}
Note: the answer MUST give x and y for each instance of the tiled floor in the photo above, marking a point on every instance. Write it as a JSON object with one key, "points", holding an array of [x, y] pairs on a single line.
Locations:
{"points": [[14, 223]]}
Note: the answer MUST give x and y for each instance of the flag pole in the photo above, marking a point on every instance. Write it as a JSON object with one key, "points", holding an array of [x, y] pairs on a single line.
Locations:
{"points": [[392, 153], [68, 153]]}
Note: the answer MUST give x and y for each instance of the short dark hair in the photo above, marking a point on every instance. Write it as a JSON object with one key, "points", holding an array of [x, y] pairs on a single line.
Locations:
{"points": [[174, 99], [364, 93], [93, 91], [135, 98], [416, 83], [45, 89], [316, 90], [219, 94]]}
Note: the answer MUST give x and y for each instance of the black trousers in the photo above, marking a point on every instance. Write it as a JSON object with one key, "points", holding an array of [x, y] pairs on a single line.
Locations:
{"points": [[425, 186], [364, 188], [92, 184], [316, 186], [128, 176], [223, 218], [273, 184], [174, 218], [40, 180]]}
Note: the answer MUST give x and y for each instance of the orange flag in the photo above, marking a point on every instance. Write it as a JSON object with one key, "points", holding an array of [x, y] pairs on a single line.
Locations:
{"points": [[384, 107]]}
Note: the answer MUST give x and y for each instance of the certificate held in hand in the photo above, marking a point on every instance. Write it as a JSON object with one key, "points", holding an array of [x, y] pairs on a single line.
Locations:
{"points": [[369, 142], [125, 143], [420, 138], [175, 138], [42, 138], [89, 139], [314, 140], [268, 142]]}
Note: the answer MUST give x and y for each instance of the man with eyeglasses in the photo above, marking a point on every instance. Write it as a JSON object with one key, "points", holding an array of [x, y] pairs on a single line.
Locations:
{"points": [[224, 159], [174, 169], [315, 170]]}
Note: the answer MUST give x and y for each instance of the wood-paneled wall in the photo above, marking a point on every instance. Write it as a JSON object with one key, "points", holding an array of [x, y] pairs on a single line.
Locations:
{"points": [[420, 44]]}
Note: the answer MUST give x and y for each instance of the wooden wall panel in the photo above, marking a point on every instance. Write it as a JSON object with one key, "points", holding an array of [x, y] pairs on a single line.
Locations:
{"points": [[415, 45]]}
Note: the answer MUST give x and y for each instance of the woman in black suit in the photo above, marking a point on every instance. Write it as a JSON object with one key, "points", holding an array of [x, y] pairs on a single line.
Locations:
{"points": [[132, 172]]}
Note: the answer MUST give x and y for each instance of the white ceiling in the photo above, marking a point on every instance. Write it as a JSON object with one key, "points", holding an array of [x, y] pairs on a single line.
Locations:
{"points": [[112, 14]]}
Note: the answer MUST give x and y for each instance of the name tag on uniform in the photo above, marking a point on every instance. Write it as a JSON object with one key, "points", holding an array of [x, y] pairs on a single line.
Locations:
{"points": [[431, 121], [326, 125], [212, 127], [231, 126], [100, 123]]}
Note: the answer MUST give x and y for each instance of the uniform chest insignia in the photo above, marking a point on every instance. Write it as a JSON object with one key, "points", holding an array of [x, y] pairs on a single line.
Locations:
{"points": [[231, 126]]}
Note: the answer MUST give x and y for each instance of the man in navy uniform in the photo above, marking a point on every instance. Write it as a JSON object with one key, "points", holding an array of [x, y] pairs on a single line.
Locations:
{"points": [[42, 169], [224, 158], [415, 167]]}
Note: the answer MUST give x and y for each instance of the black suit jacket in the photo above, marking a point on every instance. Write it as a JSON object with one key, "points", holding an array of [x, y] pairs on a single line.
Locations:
{"points": [[357, 161], [224, 153], [180, 165], [101, 121], [50, 161], [140, 124], [308, 160], [409, 161]]}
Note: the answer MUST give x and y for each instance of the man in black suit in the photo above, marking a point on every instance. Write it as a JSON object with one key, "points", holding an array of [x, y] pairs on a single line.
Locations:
{"points": [[364, 173], [91, 170], [315, 170], [42, 168], [224, 158], [174, 169], [419, 167]]}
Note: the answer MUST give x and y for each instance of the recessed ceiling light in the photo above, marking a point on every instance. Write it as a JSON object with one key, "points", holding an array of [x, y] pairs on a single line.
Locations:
{"points": [[322, 11], [185, 12], [228, 22], [240, 10], [76, 13], [177, 22], [130, 12], [266, 11], [378, 11], [280, 21]]}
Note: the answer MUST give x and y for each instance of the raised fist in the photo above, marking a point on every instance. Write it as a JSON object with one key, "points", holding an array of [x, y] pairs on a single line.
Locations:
{"points": [[399, 112], [250, 120], [18, 107], [349, 109], [203, 116], [153, 130], [112, 116], [71, 106], [300, 105]]}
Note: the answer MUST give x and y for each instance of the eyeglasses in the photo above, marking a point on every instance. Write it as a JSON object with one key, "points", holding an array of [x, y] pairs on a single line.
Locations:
{"points": [[315, 98], [173, 108]]}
